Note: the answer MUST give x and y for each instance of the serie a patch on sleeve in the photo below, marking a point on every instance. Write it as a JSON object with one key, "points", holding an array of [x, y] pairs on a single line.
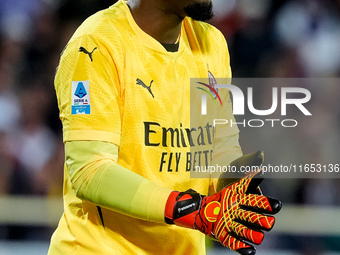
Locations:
{"points": [[81, 97]]}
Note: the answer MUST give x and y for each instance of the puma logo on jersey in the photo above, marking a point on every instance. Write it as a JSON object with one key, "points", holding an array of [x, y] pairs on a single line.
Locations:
{"points": [[140, 82], [82, 49]]}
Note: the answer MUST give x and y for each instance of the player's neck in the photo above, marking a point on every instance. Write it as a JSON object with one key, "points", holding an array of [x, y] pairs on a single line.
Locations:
{"points": [[164, 27]]}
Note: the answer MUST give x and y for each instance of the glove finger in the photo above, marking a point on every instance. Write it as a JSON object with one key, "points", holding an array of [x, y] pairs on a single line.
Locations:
{"points": [[235, 244], [253, 187], [244, 232], [261, 204], [255, 220], [228, 178], [249, 183], [247, 251]]}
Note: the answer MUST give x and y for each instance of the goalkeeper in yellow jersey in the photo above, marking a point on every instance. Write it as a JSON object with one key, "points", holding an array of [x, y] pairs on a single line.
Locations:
{"points": [[123, 88]]}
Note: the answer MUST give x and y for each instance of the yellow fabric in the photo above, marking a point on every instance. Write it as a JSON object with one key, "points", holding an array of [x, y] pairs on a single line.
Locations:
{"points": [[149, 126], [226, 150], [95, 176]]}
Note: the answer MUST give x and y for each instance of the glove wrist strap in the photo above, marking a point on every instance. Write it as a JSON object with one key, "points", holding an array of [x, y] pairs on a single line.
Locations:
{"points": [[182, 208], [169, 208]]}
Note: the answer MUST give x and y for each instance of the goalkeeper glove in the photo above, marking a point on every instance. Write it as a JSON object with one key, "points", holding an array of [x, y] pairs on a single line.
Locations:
{"points": [[234, 216]]}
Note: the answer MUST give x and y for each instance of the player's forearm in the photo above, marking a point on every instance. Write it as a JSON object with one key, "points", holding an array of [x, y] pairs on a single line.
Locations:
{"points": [[97, 177], [226, 149]]}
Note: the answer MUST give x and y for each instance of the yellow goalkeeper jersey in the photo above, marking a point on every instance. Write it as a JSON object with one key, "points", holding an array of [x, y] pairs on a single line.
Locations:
{"points": [[117, 84]]}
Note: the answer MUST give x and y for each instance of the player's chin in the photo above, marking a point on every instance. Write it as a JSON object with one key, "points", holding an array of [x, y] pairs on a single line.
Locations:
{"points": [[200, 11]]}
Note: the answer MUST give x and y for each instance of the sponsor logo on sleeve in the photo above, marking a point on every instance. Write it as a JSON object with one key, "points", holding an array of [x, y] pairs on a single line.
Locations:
{"points": [[81, 97]]}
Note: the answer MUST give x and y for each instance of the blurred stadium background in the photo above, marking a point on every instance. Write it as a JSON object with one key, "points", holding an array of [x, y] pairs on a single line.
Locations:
{"points": [[267, 38]]}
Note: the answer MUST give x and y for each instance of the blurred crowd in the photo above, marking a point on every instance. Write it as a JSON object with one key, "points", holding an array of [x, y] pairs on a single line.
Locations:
{"points": [[281, 38], [266, 38], [32, 35]]}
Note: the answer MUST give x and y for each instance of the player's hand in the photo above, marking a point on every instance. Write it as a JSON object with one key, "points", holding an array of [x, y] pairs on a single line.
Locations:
{"points": [[234, 216]]}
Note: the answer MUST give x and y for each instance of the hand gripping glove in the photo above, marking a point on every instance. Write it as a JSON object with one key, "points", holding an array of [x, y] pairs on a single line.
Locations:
{"points": [[235, 216]]}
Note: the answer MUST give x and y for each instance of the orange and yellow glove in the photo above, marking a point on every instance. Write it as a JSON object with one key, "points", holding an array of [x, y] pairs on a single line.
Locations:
{"points": [[236, 216]]}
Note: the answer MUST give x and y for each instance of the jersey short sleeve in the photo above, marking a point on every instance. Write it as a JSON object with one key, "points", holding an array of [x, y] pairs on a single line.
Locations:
{"points": [[89, 92]]}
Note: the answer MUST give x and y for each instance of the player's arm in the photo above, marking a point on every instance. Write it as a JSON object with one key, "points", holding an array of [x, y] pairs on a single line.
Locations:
{"points": [[226, 150], [226, 136], [96, 177], [92, 137]]}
